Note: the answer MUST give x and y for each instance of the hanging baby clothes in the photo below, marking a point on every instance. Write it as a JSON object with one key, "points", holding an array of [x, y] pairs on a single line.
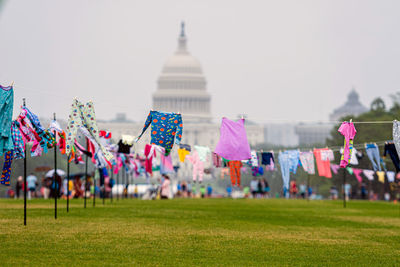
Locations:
{"points": [[233, 143], [323, 157], [369, 174], [6, 174], [166, 165], [348, 130], [335, 168], [234, 170], [373, 155], [6, 111], [307, 161], [198, 166], [390, 176], [381, 176], [353, 157], [83, 115], [254, 159], [217, 160], [289, 160], [124, 148], [149, 152], [267, 158], [396, 136], [203, 152], [357, 173], [183, 151], [18, 142], [391, 149], [166, 129]]}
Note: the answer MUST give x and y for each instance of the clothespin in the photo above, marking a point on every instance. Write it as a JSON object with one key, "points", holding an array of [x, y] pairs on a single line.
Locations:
{"points": [[351, 120], [12, 84], [23, 102]]}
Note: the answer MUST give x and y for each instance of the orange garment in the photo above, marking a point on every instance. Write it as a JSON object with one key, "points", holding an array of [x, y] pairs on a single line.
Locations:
{"points": [[234, 167], [323, 164]]}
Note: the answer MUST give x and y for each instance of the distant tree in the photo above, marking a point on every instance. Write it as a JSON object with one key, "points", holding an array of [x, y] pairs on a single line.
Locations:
{"points": [[378, 105]]}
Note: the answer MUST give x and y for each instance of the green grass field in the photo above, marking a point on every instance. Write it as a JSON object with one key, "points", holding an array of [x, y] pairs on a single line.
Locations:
{"points": [[188, 232]]}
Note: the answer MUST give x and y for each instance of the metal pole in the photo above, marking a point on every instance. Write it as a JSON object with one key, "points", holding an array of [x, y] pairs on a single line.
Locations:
{"points": [[94, 191], [308, 186], [56, 187], [26, 155], [86, 174], [344, 189], [112, 179], [104, 185], [117, 184], [68, 184]]}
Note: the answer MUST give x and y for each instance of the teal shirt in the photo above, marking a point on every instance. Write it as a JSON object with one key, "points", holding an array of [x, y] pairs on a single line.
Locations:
{"points": [[6, 110]]}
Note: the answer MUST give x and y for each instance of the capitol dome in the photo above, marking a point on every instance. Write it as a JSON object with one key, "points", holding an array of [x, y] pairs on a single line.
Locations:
{"points": [[182, 85]]}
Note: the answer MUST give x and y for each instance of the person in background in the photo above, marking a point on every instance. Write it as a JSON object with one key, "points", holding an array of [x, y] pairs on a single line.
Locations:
{"points": [[266, 188], [254, 187], [184, 189], [229, 190], [246, 191], [10, 193], [302, 189], [136, 192], [202, 191], [178, 189], [165, 190], [209, 191], [310, 192], [189, 190], [18, 185], [31, 180], [260, 188], [293, 189], [364, 191], [347, 191]]}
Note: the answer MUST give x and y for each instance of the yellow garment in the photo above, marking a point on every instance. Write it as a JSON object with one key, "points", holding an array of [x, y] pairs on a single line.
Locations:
{"points": [[381, 176], [182, 153]]}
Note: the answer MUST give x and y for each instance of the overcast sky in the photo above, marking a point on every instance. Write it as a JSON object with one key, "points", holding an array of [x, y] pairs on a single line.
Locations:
{"points": [[273, 60]]}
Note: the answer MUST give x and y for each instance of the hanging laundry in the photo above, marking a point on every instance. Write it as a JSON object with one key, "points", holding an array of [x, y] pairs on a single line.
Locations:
{"points": [[6, 112], [369, 174], [284, 162], [323, 157], [105, 134], [124, 148], [198, 166], [396, 136], [335, 168], [267, 158], [166, 129], [233, 143], [203, 152], [381, 176], [348, 130], [128, 139], [234, 171], [353, 157], [182, 153], [150, 153], [357, 173], [185, 146], [254, 159], [6, 174], [166, 165], [307, 161], [390, 176], [373, 155], [350, 170], [83, 115], [18, 142], [391, 149], [217, 160]]}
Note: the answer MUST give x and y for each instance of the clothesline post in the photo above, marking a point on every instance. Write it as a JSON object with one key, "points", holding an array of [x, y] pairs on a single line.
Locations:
{"points": [[68, 184], [55, 172], [86, 174], [26, 155], [94, 186], [308, 186], [117, 184], [104, 186], [111, 185], [344, 187]]}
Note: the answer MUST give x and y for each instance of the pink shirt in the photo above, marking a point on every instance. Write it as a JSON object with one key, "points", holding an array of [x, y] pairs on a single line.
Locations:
{"points": [[348, 130]]}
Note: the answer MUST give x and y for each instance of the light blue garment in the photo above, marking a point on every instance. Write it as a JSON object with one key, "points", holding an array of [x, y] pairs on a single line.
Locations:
{"points": [[6, 110], [31, 181], [373, 155], [289, 160]]}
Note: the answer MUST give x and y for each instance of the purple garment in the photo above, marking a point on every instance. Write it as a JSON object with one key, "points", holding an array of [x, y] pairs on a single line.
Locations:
{"points": [[233, 143]]}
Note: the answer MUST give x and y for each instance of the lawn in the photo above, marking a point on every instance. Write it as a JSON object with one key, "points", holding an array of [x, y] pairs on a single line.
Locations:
{"points": [[188, 232]]}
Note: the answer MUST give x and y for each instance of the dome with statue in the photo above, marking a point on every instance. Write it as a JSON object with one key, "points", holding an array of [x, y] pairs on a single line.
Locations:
{"points": [[352, 106], [182, 85]]}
